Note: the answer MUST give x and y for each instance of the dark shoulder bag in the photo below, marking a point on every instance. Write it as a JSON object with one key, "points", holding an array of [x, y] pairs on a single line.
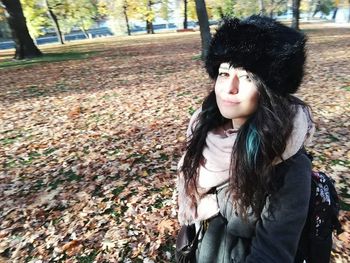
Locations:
{"points": [[187, 243], [315, 243]]}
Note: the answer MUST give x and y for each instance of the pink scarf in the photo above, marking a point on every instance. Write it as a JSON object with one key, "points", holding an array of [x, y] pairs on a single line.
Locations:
{"points": [[215, 171]]}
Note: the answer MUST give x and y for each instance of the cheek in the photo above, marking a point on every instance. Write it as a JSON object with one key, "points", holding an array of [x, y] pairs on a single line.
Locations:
{"points": [[217, 87], [248, 90], [252, 97]]}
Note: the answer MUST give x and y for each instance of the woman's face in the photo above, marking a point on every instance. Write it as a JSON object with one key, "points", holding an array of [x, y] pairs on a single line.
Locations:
{"points": [[236, 94]]}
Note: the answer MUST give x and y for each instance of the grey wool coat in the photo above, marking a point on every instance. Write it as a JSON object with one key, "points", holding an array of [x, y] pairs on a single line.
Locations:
{"points": [[272, 240]]}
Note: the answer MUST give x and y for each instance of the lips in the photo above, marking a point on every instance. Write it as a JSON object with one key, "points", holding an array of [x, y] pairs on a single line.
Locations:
{"points": [[232, 102]]}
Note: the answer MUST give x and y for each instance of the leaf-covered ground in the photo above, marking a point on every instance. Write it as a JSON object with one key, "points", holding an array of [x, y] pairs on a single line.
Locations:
{"points": [[89, 146]]}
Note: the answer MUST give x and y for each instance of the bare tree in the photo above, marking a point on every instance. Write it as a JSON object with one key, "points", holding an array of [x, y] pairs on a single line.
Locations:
{"points": [[204, 26], [149, 23], [295, 20], [125, 12], [25, 47], [262, 7], [54, 19], [185, 14]]}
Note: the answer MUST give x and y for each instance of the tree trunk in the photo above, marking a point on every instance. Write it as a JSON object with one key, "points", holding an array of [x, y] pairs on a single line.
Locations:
{"points": [[295, 20], [84, 31], [125, 9], [204, 26], [317, 8], [185, 14], [55, 22], [149, 27], [149, 24], [272, 8], [25, 47], [262, 7], [221, 12], [335, 13], [349, 12]]}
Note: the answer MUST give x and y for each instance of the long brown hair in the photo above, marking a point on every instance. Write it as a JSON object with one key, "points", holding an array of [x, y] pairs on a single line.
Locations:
{"points": [[261, 139]]}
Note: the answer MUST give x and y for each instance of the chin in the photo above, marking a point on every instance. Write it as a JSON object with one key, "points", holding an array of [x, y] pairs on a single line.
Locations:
{"points": [[229, 115]]}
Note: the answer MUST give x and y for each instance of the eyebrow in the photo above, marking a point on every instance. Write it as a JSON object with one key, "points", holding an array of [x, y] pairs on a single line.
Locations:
{"points": [[224, 67]]}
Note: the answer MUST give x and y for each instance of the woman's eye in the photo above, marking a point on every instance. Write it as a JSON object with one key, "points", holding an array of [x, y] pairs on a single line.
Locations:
{"points": [[245, 77], [223, 74]]}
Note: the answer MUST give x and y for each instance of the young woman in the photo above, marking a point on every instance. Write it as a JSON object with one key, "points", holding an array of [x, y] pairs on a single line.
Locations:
{"points": [[245, 172]]}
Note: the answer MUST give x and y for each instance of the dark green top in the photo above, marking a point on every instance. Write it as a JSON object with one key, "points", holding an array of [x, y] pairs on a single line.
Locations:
{"points": [[229, 239]]}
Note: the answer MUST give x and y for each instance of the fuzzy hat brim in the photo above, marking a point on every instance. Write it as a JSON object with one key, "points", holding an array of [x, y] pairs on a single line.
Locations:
{"points": [[263, 46]]}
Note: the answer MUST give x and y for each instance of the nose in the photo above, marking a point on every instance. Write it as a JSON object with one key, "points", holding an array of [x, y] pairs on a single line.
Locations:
{"points": [[233, 84]]}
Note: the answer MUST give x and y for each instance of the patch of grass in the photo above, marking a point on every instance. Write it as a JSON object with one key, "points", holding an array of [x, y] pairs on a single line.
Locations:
{"points": [[38, 185], [34, 90], [347, 88], [28, 160], [185, 93], [110, 96], [168, 246], [57, 220], [50, 57], [10, 140], [50, 150], [86, 149], [197, 57], [118, 190], [341, 162], [113, 152], [90, 258], [10, 164], [164, 157], [191, 110], [53, 185], [158, 203], [333, 138], [137, 157], [344, 206], [61, 86], [71, 176]]}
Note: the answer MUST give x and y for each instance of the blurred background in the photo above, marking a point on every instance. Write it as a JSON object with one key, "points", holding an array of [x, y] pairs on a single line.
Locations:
{"points": [[50, 21]]}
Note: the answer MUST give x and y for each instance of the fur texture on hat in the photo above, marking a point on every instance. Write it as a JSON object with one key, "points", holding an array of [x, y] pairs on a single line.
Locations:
{"points": [[263, 46]]}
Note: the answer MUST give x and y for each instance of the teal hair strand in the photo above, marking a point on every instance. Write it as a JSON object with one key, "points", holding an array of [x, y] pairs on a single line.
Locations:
{"points": [[252, 144]]}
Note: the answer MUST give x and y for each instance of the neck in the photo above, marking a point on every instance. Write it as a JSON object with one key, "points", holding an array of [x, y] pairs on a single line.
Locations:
{"points": [[238, 122]]}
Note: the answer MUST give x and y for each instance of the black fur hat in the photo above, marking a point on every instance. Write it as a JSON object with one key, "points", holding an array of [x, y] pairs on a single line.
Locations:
{"points": [[263, 46]]}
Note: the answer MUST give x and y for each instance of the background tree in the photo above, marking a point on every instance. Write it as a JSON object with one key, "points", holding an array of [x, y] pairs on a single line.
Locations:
{"points": [[81, 14], [24, 45], [324, 7], [165, 10], [185, 14], [295, 19], [243, 8], [143, 10], [220, 9], [36, 17], [276, 7], [336, 3], [204, 26], [51, 7], [125, 13], [262, 7], [117, 12], [191, 11], [149, 17], [5, 32]]}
